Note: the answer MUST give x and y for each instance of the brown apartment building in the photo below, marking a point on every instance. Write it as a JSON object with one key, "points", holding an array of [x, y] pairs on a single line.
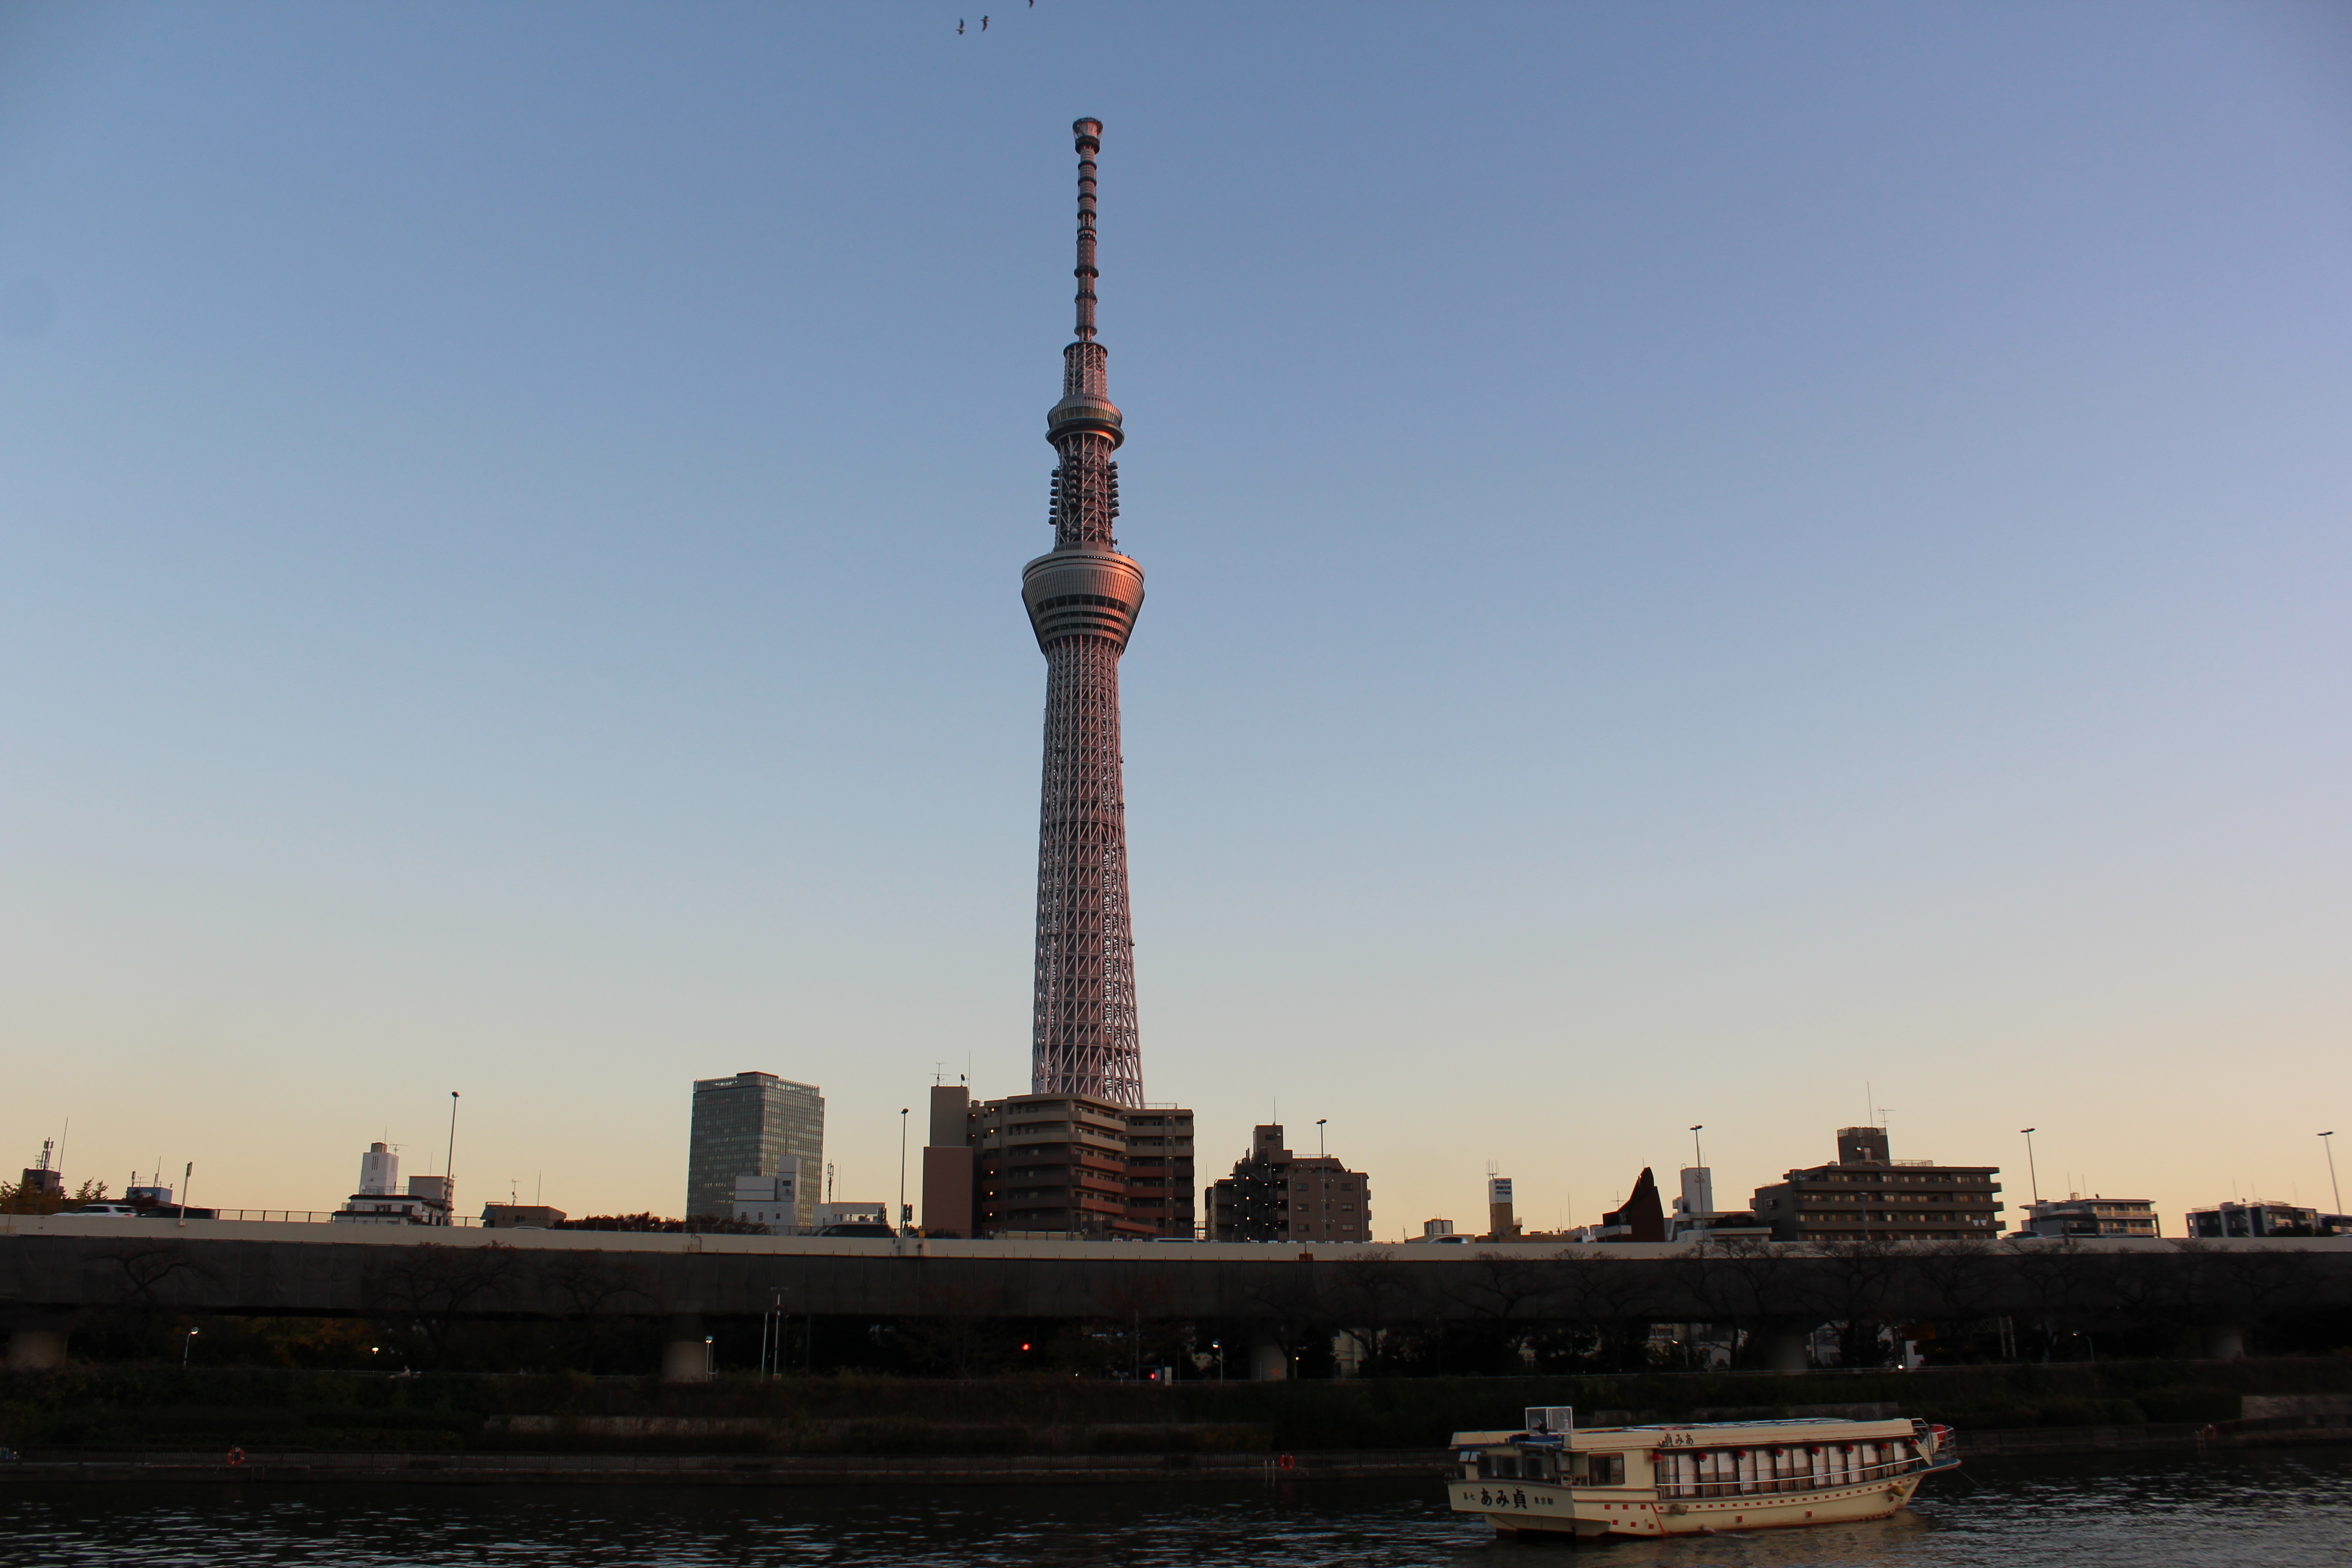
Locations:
{"points": [[1869, 1196], [1059, 1165], [1276, 1195]]}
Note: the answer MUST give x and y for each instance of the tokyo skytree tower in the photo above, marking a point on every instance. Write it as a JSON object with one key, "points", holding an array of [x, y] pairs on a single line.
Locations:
{"points": [[1083, 599]]}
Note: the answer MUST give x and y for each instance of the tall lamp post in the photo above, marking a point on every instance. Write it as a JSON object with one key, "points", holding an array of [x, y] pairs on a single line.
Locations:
{"points": [[902, 1166], [449, 1164], [2331, 1169], [1318, 1134], [1696, 1157], [2032, 1174]]}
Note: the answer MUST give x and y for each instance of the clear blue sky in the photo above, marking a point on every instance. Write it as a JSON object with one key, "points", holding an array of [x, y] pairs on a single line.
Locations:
{"points": [[1702, 558]]}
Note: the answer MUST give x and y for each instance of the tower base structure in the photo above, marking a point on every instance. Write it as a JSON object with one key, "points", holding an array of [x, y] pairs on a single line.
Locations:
{"points": [[1060, 1165]]}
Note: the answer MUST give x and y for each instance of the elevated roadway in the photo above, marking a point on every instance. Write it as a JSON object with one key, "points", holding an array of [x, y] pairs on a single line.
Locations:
{"points": [[53, 1269]]}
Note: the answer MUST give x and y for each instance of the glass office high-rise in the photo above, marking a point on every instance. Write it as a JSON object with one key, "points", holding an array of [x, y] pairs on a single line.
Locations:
{"points": [[746, 1125]]}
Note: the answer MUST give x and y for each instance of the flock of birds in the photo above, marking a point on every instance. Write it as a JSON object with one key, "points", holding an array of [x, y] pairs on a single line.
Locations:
{"points": [[984, 21]]}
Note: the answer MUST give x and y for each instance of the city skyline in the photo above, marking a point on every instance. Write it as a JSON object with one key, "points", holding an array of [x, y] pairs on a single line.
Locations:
{"points": [[1727, 567]]}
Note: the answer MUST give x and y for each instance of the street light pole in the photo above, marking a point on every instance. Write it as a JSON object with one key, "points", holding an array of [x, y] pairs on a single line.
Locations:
{"points": [[2030, 1172], [1698, 1158], [902, 1166], [1319, 1136], [187, 1345], [2331, 1169], [449, 1164]]}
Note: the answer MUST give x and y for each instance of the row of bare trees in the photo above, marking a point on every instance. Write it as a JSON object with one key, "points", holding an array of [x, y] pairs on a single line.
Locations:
{"points": [[1583, 1308], [1579, 1308]]}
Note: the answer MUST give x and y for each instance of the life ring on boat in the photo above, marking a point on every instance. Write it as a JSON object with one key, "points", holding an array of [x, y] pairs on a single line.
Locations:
{"points": [[1287, 1463], [236, 1455]]}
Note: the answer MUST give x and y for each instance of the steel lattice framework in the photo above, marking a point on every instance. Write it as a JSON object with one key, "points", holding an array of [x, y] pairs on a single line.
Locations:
{"points": [[1083, 598]]}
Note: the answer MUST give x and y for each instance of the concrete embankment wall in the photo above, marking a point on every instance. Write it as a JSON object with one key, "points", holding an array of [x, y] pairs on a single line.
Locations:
{"points": [[1006, 1469], [468, 1424], [735, 1469]]}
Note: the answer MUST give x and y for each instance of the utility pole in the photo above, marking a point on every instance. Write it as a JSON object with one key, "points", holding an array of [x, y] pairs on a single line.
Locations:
{"points": [[449, 1164], [2331, 1169], [2030, 1172], [902, 1167]]}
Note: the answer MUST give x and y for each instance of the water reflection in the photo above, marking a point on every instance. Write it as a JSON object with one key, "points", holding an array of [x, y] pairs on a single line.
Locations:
{"points": [[2275, 1509]]}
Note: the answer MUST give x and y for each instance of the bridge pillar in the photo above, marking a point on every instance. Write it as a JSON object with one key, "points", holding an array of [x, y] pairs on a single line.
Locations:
{"points": [[1784, 1351], [1269, 1363], [686, 1353], [35, 1350], [2223, 1342]]}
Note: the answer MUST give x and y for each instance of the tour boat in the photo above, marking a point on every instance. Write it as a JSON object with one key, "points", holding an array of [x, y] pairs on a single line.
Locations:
{"points": [[1698, 1479]]}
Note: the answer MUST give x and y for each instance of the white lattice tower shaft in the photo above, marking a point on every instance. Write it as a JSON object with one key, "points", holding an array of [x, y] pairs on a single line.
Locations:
{"points": [[1083, 599]]}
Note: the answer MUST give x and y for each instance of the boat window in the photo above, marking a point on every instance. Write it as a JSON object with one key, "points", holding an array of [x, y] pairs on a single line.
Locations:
{"points": [[1603, 1470], [1500, 1467], [1540, 1467]]}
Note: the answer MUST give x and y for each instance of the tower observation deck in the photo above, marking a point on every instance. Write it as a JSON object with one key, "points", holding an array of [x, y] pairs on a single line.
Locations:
{"points": [[1082, 597]]}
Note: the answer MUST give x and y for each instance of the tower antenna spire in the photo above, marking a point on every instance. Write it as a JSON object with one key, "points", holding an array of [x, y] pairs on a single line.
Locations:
{"points": [[1089, 138]]}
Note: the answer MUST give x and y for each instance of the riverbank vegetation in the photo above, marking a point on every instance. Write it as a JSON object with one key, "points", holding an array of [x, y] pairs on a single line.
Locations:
{"points": [[152, 1407]]}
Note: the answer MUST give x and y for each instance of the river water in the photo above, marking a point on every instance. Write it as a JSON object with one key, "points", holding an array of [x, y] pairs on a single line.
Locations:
{"points": [[2275, 1509]]}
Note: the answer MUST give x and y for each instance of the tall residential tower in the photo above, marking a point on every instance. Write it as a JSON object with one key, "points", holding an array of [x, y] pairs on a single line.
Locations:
{"points": [[1083, 598]]}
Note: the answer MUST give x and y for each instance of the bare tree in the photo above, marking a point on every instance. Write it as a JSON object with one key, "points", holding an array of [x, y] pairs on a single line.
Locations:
{"points": [[1373, 1295], [1615, 1300], [1851, 1282], [430, 1286]]}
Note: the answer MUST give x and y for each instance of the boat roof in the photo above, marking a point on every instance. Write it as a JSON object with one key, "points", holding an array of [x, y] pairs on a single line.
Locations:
{"points": [[1766, 1428]]}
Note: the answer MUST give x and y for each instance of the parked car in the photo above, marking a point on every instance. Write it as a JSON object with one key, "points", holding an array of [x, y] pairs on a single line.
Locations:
{"points": [[104, 1211], [859, 1227]]}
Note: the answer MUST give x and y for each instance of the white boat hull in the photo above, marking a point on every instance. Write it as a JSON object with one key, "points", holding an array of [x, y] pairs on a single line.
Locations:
{"points": [[1590, 1513]]}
